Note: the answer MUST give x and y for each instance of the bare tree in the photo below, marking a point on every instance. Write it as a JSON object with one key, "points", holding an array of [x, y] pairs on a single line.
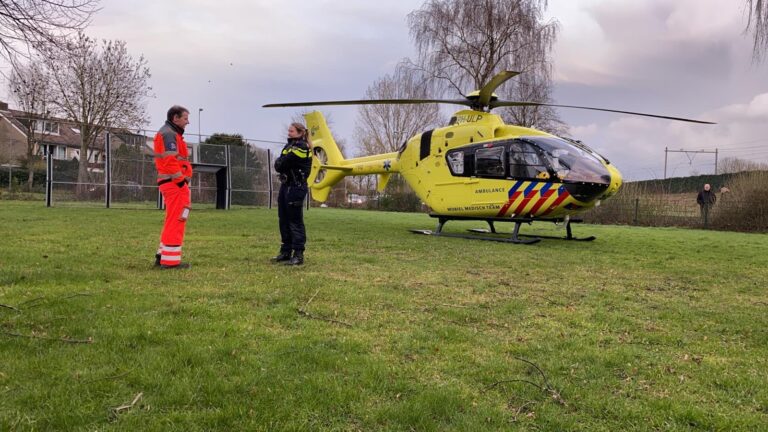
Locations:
{"points": [[758, 22], [31, 91], [384, 128], [464, 43], [98, 86], [35, 23], [734, 165]]}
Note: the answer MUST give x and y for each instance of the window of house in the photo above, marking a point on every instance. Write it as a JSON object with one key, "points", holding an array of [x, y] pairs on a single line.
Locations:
{"points": [[59, 152], [47, 127], [490, 162], [525, 161]]}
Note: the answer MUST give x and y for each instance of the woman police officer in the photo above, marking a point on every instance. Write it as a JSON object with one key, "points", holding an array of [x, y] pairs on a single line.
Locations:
{"points": [[293, 165]]}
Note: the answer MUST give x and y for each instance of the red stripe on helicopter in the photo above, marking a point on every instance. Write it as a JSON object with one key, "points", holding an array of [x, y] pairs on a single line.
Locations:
{"points": [[563, 195], [529, 193], [513, 194], [545, 193], [541, 201]]}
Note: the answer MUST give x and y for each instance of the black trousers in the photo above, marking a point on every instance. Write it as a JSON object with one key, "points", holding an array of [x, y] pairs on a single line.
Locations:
{"points": [[291, 215], [705, 208]]}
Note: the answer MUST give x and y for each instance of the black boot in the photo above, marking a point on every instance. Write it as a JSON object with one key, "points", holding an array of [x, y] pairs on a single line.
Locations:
{"points": [[297, 259], [283, 256], [157, 260]]}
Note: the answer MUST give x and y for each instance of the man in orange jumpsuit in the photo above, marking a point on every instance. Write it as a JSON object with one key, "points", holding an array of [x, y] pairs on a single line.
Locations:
{"points": [[174, 172]]}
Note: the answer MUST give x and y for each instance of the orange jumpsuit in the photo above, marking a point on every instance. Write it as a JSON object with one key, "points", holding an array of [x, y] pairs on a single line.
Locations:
{"points": [[174, 172]]}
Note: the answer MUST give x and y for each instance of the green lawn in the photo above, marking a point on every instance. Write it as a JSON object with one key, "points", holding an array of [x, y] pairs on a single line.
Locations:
{"points": [[642, 329]]}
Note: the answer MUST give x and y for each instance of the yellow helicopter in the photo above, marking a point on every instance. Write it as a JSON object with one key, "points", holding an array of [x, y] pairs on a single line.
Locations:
{"points": [[477, 167]]}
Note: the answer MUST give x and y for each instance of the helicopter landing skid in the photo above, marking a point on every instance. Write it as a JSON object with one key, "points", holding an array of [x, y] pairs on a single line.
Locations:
{"points": [[513, 239], [568, 233], [515, 235]]}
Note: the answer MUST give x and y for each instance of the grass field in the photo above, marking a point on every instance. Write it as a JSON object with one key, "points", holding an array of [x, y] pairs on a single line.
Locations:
{"points": [[642, 329]]}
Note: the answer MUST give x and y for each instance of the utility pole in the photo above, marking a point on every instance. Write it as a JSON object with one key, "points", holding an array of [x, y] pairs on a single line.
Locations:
{"points": [[199, 135], [667, 150]]}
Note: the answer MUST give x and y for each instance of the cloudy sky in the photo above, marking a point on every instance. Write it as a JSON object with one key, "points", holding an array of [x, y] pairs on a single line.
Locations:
{"points": [[686, 58]]}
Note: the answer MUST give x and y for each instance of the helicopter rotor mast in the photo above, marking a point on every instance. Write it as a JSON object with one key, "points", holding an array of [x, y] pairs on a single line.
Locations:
{"points": [[486, 95]]}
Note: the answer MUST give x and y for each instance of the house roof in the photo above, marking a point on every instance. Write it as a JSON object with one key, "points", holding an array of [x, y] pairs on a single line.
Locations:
{"points": [[69, 132]]}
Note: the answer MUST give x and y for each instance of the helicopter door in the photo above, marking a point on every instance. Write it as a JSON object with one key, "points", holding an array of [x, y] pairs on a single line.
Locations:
{"points": [[490, 162], [525, 162]]}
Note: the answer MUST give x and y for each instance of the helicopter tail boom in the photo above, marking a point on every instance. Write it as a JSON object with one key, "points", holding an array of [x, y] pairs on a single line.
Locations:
{"points": [[329, 165]]}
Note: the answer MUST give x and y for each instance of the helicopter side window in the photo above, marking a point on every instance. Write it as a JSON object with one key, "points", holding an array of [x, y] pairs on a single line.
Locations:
{"points": [[489, 162], [525, 162], [456, 162]]}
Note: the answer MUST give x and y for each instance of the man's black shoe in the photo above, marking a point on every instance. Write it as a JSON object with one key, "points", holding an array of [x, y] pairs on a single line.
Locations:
{"points": [[181, 266], [284, 256], [157, 260], [297, 259]]}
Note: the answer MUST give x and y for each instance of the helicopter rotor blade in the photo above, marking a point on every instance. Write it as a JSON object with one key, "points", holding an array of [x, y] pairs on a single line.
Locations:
{"points": [[495, 104], [487, 91], [370, 102]]}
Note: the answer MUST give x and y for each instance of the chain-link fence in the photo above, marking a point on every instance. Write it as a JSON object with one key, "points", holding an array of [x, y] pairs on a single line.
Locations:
{"points": [[15, 179], [122, 174], [742, 206]]}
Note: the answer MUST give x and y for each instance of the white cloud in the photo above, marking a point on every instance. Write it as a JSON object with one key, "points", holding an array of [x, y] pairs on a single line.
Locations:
{"points": [[607, 42], [585, 132], [754, 111], [637, 145]]}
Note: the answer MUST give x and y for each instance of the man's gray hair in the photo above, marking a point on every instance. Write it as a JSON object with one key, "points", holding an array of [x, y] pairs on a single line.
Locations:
{"points": [[176, 111]]}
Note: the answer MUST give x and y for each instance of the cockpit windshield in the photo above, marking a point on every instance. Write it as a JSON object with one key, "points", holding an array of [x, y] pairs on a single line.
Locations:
{"points": [[571, 162]]}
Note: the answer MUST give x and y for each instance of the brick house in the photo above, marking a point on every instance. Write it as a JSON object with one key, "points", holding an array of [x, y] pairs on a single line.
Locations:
{"points": [[62, 135]]}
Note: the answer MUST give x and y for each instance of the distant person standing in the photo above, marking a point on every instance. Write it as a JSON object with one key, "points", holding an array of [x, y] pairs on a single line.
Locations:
{"points": [[706, 199], [293, 165], [174, 172]]}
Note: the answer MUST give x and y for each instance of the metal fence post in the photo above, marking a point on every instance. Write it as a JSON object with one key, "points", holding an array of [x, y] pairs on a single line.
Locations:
{"points": [[637, 205], [160, 201], [269, 176], [229, 177], [48, 175], [108, 169]]}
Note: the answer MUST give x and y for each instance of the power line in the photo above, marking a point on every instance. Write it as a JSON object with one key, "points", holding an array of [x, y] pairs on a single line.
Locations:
{"points": [[690, 160]]}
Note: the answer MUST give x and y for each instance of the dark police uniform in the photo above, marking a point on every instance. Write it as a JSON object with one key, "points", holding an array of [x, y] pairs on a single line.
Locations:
{"points": [[294, 165]]}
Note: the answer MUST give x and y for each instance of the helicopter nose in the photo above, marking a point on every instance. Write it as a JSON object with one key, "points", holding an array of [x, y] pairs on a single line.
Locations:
{"points": [[586, 192], [615, 183]]}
